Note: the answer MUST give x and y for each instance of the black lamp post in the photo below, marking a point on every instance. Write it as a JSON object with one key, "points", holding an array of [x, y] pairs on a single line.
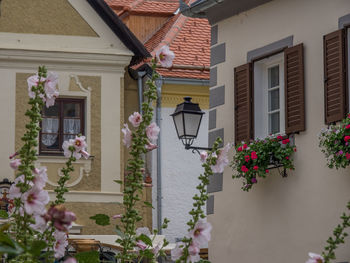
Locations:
{"points": [[187, 119]]}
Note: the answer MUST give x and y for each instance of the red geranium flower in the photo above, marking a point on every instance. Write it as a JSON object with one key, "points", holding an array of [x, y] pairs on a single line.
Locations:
{"points": [[267, 171], [279, 137], [347, 156], [245, 146], [239, 149], [256, 167], [347, 126], [285, 141], [253, 156], [295, 149], [244, 169], [247, 158], [346, 138], [287, 157]]}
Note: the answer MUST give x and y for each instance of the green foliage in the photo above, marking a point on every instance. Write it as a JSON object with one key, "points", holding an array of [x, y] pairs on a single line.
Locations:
{"points": [[338, 237], [101, 219], [334, 144], [253, 161], [36, 247], [3, 214], [88, 257]]}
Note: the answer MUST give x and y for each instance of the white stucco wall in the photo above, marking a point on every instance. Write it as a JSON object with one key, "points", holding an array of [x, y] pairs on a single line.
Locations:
{"points": [[180, 171], [280, 219]]}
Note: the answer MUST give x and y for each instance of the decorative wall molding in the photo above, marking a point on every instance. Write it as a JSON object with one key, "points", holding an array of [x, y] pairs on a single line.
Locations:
{"points": [[171, 100], [90, 196]]}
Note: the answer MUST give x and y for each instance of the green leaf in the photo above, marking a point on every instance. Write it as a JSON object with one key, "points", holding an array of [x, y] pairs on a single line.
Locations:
{"points": [[101, 219], [118, 181], [88, 257], [37, 247], [148, 204], [119, 231], [6, 240], [3, 214], [145, 239]]}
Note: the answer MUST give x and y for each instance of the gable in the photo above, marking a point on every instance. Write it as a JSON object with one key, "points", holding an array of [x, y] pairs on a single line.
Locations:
{"points": [[54, 17]]}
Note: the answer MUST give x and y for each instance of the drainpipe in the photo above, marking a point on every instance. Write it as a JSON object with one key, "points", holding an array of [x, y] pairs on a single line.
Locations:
{"points": [[140, 74], [159, 84]]}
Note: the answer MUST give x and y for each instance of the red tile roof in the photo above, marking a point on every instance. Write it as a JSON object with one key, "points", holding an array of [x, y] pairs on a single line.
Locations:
{"points": [[188, 38]]}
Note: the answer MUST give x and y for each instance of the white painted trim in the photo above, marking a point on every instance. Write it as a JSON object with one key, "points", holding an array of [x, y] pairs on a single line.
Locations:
{"points": [[261, 94], [90, 197], [72, 61]]}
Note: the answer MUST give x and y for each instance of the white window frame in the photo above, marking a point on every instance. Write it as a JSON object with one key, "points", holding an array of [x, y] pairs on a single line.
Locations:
{"points": [[261, 122]]}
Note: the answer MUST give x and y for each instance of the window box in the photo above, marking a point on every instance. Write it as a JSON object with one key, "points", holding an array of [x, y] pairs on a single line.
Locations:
{"points": [[256, 159]]}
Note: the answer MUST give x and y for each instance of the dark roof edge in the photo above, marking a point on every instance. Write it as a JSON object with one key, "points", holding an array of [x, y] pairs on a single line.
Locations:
{"points": [[198, 8], [119, 28]]}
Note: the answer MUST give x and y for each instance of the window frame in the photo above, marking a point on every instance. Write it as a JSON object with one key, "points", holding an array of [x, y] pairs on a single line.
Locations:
{"points": [[261, 107], [63, 101]]}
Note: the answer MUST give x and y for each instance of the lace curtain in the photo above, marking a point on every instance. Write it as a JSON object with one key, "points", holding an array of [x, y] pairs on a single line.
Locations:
{"points": [[49, 125], [71, 126]]}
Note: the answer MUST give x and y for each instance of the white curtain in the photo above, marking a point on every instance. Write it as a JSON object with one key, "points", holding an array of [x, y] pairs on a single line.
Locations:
{"points": [[49, 125], [71, 126]]}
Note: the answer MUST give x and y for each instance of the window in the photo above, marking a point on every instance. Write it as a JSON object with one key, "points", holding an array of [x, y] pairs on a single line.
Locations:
{"points": [[61, 122], [269, 96]]}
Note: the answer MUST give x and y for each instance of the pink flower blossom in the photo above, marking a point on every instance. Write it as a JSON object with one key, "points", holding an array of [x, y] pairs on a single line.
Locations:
{"points": [[347, 156], [13, 155], [135, 119], [222, 160], [141, 245], [14, 191], [253, 155], [85, 154], [15, 163], [256, 167], [285, 141], [346, 138], [239, 149], [247, 158], [203, 156], [33, 81], [40, 177], [315, 258], [77, 145], [127, 136], [35, 200], [150, 146], [40, 223], [152, 131], [347, 126], [61, 218], [177, 252], [245, 146], [244, 169], [70, 260], [165, 56], [200, 234], [117, 216], [60, 244], [193, 251], [254, 181]]}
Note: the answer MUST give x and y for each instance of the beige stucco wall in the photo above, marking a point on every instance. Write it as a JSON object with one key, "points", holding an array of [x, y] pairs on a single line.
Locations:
{"points": [[280, 219], [55, 17]]}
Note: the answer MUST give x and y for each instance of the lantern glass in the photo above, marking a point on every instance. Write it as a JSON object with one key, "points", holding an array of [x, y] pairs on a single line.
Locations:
{"points": [[192, 122], [179, 124]]}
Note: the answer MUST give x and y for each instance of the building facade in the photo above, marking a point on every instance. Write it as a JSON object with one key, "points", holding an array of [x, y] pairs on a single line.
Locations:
{"points": [[300, 48]]}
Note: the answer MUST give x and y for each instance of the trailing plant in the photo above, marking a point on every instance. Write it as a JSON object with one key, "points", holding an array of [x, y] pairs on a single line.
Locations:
{"points": [[254, 160], [334, 142], [333, 242]]}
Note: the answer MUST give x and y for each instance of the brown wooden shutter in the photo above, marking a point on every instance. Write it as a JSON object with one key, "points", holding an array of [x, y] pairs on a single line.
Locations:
{"points": [[335, 94], [243, 103], [294, 89]]}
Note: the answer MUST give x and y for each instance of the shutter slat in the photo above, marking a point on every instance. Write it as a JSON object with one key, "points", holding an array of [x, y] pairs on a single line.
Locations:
{"points": [[294, 89], [243, 103], [334, 86]]}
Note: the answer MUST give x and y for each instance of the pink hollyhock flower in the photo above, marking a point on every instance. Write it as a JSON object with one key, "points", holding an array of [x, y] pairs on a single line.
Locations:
{"points": [[177, 252], [70, 260], [135, 119], [253, 155], [35, 200], [141, 245], [40, 223], [247, 158], [165, 56], [193, 253], [256, 167], [14, 191], [244, 169], [156, 249], [347, 126], [254, 181], [85, 154], [285, 141], [117, 216], [347, 138], [200, 234], [33, 81], [15, 163], [60, 244], [152, 131], [77, 145], [315, 258], [222, 160], [13, 155], [127, 136], [203, 156], [61, 218], [150, 146], [40, 177]]}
